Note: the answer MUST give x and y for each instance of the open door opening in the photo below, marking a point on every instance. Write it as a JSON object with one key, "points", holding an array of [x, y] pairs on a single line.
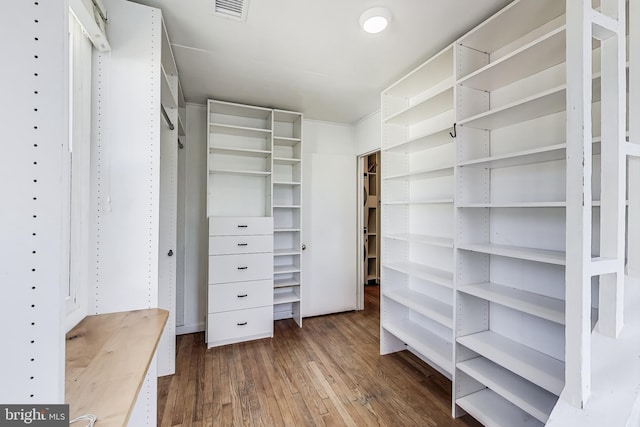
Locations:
{"points": [[369, 226]]}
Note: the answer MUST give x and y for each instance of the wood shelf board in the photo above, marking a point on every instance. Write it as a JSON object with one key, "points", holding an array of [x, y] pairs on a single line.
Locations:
{"points": [[527, 396], [438, 100], [492, 410], [285, 297], [548, 308], [539, 105], [428, 74], [286, 161], [424, 173], [107, 359], [433, 309], [443, 242], [282, 269], [232, 130], [285, 283], [530, 254], [433, 275], [512, 22], [240, 151], [285, 141], [241, 110], [239, 172], [422, 340], [532, 365], [420, 202], [544, 52], [519, 158]]}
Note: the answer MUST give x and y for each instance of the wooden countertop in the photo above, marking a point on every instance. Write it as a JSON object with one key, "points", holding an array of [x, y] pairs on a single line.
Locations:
{"points": [[108, 356]]}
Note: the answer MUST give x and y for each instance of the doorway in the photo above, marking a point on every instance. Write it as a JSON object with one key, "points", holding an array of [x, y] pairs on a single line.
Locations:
{"points": [[369, 226]]}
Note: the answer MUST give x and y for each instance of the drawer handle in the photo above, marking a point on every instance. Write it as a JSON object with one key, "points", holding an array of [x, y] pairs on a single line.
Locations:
{"points": [[241, 323], [242, 226], [242, 268], [242, 296], [242, 244]]}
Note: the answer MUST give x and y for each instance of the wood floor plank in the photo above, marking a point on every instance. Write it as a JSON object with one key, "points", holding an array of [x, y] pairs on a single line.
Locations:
{"points": [[328, 373]]}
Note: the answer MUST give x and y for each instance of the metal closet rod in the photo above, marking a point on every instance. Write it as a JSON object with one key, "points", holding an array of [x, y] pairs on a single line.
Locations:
{"points": [[166, 117]]}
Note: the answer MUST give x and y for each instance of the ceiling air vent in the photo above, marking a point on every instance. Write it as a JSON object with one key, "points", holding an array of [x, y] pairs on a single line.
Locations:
{"points": [[232, 9]]}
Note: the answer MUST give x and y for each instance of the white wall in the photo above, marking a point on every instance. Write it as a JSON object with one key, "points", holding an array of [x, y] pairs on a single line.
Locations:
{"points": [[367, 133], [319, 138]]}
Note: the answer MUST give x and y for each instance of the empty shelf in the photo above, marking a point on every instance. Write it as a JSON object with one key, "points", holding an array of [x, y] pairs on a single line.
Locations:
{"points": [[285, 141], [285, 283], [443, 242], [239, 172], [421, 303], [529, 254], [437, 100], [292, 183], [281, 269], [527, 396], [543, 104], [240, 151], [239, 130], [433, 275], [283, 252], [420, 202], [535, 304], [285, 297], [285, 229], [424, 342], [538, 55], [539, 368], [560, 204], [286, 161], [433, 133], [424, 173], [525, 157], [494, 411]]}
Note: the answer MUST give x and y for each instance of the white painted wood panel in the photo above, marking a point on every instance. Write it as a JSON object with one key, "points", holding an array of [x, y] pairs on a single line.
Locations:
{"points": [[238, 296]]}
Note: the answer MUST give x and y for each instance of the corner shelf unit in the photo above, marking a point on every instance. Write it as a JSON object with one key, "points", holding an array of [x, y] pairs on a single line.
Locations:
{"points": [[417, 213], [371, 218], [287, 214]]}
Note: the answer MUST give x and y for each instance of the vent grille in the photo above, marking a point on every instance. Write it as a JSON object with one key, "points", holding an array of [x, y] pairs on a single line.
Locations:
{"points": [[232, 9]]}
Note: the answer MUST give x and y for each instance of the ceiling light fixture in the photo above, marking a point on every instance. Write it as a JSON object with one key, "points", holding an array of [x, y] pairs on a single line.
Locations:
{"points": [[375, 20]]}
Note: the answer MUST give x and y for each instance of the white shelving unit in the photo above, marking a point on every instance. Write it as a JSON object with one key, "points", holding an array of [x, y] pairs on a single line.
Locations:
{"points": [[287, 219], [240, 211], [417, 213], [511, 214]]}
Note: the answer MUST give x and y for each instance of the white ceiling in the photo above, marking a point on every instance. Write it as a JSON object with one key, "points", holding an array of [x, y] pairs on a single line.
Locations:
{"points": [[309, 55]]}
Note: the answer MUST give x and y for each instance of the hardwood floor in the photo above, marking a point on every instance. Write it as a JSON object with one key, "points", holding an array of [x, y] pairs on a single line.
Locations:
{"points": [[329, 373]]}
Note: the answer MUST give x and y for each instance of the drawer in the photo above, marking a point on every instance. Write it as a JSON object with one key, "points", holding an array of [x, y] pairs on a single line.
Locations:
{"points": [[239, 325], [239, 226], [241, 295], [240, 268], [223, 245]]}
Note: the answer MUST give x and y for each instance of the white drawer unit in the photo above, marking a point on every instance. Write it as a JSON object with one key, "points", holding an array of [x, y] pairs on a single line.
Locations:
{"points": [[240, 268], [240, 226], [224, 245], [240, 325], [239, 296]]}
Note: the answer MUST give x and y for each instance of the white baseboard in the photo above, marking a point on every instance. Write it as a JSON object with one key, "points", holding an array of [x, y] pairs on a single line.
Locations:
{"points": [[190, 329]]}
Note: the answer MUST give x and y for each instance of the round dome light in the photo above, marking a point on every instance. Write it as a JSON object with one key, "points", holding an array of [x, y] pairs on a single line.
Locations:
{"points": [[375, 20]]}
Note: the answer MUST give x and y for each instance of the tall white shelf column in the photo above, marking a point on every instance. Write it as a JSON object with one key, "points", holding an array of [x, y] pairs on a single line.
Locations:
{"points": [[417, 213]]}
